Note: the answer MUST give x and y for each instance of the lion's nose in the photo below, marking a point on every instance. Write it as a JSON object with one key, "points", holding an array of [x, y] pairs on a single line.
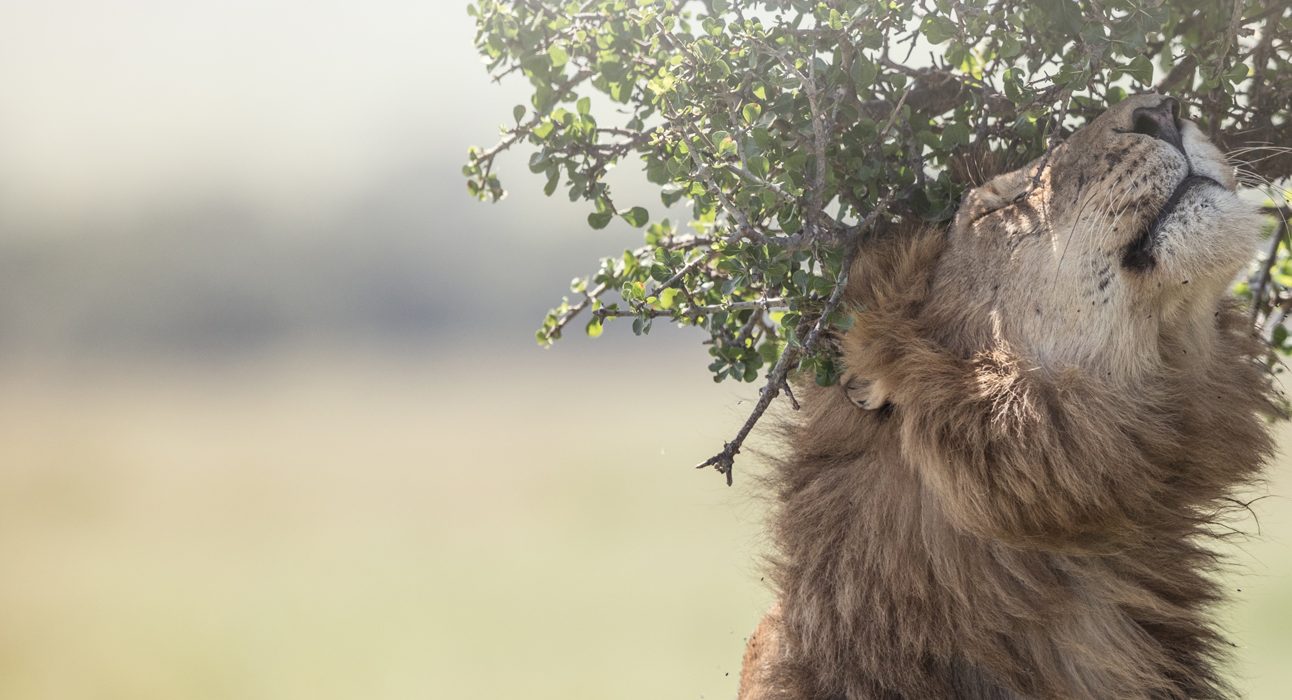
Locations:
{"points": [[1160, 122]]}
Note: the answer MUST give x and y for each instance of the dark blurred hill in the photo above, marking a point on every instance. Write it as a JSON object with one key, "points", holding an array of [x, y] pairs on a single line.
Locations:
{"points": [[410, 260]]}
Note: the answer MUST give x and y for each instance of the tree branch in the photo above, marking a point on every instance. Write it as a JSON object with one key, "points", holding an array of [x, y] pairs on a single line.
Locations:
{"points": [[1267, 265], [724, 461], [767, 305], [565, 318]]}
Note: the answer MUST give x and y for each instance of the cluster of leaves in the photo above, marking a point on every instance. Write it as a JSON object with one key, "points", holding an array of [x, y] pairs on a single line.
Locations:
{"points": [[783, 131]]}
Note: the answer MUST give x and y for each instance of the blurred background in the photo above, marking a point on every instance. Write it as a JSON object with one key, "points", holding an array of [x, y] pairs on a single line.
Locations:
{"points": [[272, 419]]}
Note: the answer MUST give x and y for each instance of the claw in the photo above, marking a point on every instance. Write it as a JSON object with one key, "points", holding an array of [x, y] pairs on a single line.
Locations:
{"points": [[866, 394]]}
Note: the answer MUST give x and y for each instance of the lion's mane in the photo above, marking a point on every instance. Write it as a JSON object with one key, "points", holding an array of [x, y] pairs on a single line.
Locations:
{"points": [[1001, 530]]}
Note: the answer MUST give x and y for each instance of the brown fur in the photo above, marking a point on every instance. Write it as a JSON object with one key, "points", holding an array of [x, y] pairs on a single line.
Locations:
{"points": [[1014, 522]]}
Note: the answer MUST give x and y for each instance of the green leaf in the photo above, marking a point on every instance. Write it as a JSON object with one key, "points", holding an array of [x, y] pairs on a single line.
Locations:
{"points": [[594, 328], [662, 84], [938, 29], [584, 105], [758, 165], [637, 217], [826, 374], [751, 112], [863, 74], [558, 56], [955, 134], [727, 145], [1141, 69], [667, 296], [1010, 46], [518, 112], [599, 219]]}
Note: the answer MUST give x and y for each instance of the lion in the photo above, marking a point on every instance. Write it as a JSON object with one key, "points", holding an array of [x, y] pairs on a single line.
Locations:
{"points": [[1047, 406]]}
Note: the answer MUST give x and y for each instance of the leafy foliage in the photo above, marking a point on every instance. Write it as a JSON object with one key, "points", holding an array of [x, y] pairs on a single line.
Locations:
{"points": [[785, 130]]}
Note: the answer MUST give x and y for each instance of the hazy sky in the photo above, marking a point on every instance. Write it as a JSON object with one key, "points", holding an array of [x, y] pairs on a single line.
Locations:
{"points": [[107, 103], [179, 173]]}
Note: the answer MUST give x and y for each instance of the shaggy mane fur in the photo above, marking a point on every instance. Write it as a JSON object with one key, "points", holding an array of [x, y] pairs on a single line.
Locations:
{"points": [[1003, 528]]}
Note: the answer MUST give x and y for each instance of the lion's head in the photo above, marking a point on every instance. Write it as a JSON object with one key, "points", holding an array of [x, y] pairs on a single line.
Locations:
{"points": [[1112, 253], [1130, 230]]}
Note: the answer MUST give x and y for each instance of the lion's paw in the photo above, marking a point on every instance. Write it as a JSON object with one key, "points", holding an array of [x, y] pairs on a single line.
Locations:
{"points": [[867, 394]]}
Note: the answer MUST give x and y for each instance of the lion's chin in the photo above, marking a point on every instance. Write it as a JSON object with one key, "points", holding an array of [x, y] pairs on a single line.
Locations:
{"points": [[1203, 245], [1141, 253]]}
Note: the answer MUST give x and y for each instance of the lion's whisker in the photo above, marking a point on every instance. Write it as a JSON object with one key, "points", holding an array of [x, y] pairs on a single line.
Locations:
{"points": [[1252, 161], [1081, 210], [1246, 149], [1107, 203]]}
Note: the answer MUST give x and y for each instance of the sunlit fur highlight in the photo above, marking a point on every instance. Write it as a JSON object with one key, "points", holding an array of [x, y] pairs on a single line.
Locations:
{"points": [[1028, 514]]}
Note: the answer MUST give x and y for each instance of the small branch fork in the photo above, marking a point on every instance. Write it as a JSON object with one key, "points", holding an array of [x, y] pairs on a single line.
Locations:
{"points": [[486, 158]]}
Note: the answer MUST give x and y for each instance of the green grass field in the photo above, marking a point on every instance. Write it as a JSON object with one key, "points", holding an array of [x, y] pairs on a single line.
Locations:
{"points": [[336, 527]]}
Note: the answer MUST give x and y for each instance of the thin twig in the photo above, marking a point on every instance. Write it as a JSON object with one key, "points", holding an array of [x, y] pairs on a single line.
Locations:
{"points": [[485, 158], [818, 145], [725, 460], [607, 312], [574, 311], [1258, 293]]}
